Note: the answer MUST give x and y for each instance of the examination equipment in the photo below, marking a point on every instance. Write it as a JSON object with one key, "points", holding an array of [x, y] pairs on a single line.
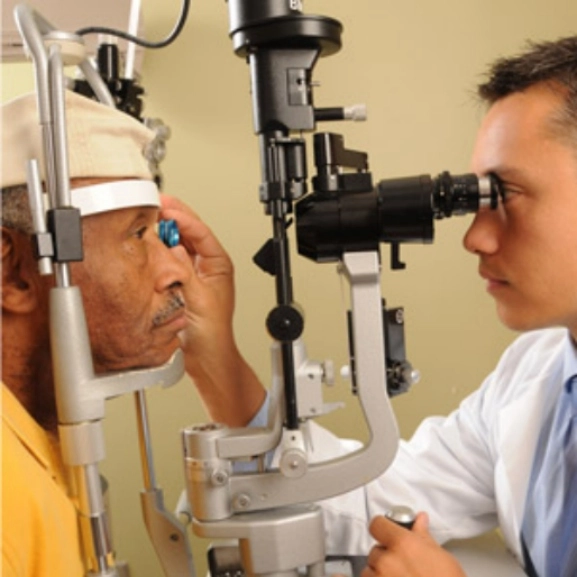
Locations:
{"points": [[235, 492], [270, 510]]}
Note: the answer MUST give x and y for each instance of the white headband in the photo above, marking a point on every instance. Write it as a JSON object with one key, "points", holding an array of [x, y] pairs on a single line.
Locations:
{"points": [[114, 195]]}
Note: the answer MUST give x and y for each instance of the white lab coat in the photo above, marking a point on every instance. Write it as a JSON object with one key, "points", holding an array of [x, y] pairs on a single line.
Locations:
{"points": [[470, 470]]}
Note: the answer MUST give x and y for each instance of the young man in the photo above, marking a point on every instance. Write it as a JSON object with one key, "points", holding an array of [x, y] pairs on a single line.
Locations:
{"points": [[508, 455], [495, 461], [142, 301]]}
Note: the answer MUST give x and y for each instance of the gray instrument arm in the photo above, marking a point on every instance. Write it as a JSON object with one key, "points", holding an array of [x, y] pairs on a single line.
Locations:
{"points": [[215, 494]]}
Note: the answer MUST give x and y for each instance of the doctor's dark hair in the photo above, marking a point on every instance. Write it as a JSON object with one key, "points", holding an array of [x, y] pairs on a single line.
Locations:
{"points": [[553, 63]]}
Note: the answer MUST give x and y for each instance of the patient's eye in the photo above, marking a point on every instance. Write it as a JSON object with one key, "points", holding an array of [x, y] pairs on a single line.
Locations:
{"points": [[140, 232]]}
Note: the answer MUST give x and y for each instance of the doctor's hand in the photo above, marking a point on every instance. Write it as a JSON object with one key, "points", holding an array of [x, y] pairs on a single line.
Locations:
{"points": [[230, 390], [408, 553]]}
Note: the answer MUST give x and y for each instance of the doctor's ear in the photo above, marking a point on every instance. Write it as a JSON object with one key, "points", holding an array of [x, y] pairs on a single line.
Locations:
{"points": [[20, 277]]}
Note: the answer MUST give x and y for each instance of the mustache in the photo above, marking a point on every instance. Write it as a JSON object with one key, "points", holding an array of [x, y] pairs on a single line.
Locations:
{"points": [[175, 302]]}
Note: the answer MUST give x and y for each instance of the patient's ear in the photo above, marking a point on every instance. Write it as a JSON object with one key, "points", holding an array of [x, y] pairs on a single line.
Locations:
{"points": [[20, 277]]}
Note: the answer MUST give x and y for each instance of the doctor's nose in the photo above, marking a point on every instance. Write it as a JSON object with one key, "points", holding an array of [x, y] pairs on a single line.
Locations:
{"points": [[482, 237]]}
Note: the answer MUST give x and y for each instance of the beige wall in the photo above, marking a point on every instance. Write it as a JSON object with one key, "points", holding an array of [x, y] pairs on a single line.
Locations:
{"points": [[415, 64]]}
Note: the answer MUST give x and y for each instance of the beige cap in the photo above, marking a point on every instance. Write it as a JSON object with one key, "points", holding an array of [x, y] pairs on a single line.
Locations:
{"points": [[102, 142]]}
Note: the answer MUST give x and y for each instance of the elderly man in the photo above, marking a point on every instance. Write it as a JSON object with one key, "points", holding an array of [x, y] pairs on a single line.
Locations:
{"points": [[142, 302]]}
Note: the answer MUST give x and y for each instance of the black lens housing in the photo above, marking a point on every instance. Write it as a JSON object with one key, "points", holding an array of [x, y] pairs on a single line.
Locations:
{"points": [[400, 210]]}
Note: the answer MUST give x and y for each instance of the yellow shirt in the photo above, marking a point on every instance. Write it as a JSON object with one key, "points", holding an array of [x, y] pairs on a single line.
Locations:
{"points": [[40, 534]]}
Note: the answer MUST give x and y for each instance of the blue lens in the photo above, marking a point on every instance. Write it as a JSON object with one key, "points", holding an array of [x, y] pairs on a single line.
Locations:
{"points": [[168, 232]]}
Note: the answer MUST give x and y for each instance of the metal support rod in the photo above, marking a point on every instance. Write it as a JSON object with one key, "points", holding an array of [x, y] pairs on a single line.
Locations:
{"points": [[133, 20], [285, 297], [275, 184], [46, 244], [290, 393], [59, 162], [94, 526], [31, 27], [58, 112], [144, 440], [167, 534], [96, 83]]}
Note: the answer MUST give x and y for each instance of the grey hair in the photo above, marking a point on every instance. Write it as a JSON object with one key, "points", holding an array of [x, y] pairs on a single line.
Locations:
{"points": [[16, 209]]}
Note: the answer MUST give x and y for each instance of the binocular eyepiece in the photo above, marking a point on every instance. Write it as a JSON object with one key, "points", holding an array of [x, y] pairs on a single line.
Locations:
{"points": [[400, 210]]}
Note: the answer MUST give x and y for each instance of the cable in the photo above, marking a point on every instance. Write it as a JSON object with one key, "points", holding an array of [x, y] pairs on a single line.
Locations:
{"points": [[139, 41]]}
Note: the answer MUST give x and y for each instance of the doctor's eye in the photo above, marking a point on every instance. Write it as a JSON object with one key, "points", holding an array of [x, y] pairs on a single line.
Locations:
{"points": [[506, 190], [508, 193]]}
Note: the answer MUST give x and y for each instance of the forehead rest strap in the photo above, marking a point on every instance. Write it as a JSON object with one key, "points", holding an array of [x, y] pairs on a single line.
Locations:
{"points": [[107, 196]]}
